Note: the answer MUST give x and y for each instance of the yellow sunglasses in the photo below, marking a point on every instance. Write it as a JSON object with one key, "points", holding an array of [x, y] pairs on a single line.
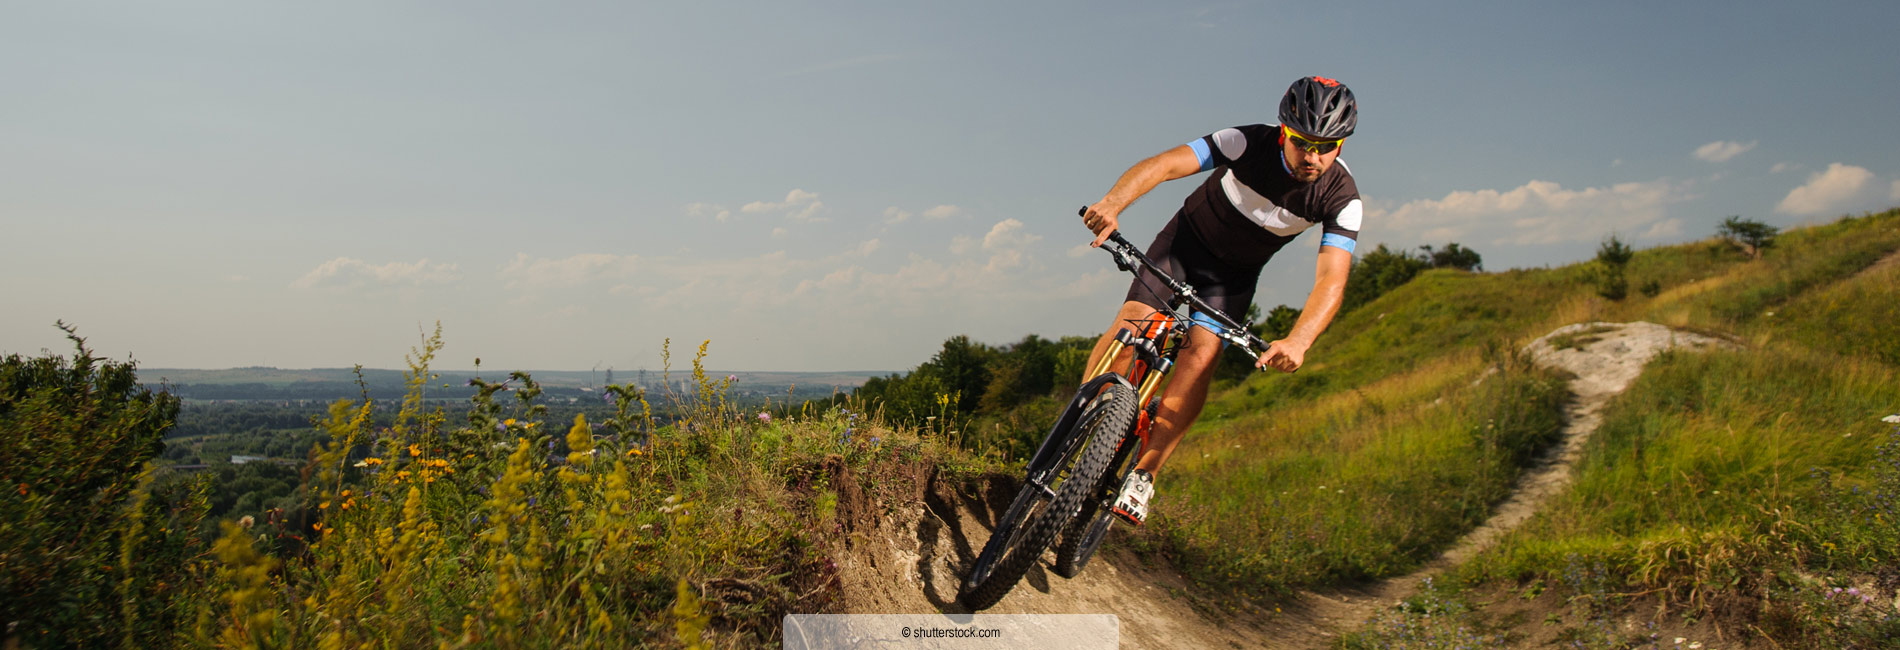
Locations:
{"points": [[1311, 146]]}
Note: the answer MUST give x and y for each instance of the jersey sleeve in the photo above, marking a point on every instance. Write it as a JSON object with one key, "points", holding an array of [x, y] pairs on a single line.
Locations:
{"points": [[1219, 148], [1341, 230]]}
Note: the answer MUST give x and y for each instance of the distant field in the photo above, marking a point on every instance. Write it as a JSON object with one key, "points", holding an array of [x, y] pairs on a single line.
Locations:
{"points": [[259, 383]]}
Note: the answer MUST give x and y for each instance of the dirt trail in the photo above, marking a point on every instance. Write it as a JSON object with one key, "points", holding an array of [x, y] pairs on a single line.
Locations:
{"points": [[910, 559]]}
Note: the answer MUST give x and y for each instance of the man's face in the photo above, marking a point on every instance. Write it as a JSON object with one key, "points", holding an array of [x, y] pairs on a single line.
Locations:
{"points": [[1307, 165]]}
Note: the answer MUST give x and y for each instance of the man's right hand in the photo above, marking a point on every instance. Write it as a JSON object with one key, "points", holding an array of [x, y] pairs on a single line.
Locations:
{"points": [[1102, 219]]}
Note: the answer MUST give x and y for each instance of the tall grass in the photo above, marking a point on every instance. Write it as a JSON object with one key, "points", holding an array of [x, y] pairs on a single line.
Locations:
{"points": [[506, 530], [515, 531]]}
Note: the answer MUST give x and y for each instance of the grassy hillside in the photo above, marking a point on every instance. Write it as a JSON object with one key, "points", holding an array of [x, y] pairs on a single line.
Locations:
{"points": [[1413, 417]]}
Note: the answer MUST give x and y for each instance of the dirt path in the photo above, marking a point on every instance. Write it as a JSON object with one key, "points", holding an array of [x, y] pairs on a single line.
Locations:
{"points": [[910, 559]]}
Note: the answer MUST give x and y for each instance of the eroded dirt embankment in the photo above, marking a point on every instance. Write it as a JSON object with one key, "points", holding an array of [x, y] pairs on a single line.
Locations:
{"points": [[906, 550]]}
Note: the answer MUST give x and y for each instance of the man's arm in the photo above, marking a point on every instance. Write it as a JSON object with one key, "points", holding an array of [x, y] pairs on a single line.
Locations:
{"points": [[1105, 216], [1329, 291]]}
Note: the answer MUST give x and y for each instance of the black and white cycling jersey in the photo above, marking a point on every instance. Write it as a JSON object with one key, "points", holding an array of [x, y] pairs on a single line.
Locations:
{"points": [[1251, 205]]}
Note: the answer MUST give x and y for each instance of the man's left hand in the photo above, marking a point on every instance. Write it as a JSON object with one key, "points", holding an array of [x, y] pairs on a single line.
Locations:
{"points": [[1282, 355]]}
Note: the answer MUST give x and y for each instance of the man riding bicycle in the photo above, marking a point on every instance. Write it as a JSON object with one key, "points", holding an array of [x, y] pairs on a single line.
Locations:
{"points": [[1270, 183]]}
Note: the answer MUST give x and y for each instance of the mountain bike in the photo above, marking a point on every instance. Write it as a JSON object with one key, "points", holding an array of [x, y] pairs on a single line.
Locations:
{"points": [[1076, 473]]}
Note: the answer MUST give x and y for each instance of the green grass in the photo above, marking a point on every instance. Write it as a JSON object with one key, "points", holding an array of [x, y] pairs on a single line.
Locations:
{"points": [[1691, 457], [1357, 484]]}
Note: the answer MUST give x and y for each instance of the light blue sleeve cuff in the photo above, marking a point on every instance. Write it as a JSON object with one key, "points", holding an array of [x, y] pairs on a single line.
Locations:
{"points": [[1338, 241], [1199, 145]]}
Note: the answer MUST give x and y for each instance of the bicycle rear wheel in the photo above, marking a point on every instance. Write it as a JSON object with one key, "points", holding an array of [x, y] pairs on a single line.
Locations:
{"points": [[1034, 518]]}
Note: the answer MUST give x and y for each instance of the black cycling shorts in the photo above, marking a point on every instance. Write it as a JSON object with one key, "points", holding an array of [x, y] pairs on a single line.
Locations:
{"points": [[1179, 251]]}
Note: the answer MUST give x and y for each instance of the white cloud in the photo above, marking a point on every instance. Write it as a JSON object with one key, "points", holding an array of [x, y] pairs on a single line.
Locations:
{"points": [[779, 233], [1539, 212], [1723, 151], [1826, 190], [1008, 233], [1782, 167], [526, 272], [1667, 228], [896, 215], [960, 245], [798, 206], [942, 212], [717, 212], [1080, 250], [1895, 194], [349, 272], [1005, 243]]}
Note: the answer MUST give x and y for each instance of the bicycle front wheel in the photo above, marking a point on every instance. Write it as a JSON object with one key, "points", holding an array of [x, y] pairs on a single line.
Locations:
{"points": [[1025, 531], [1089, 527]]}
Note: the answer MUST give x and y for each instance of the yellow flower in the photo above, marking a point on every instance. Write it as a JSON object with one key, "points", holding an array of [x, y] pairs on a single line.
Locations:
{"points": [[415, 449], [402, 475], [508, 422], [323, 506], [372, 461]]}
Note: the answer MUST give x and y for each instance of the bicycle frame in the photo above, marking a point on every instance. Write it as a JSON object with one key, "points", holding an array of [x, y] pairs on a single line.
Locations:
{"points": [[1108, 406], [1160, 338]]}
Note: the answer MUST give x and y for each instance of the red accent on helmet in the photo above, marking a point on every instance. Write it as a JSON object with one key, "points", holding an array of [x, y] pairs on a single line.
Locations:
{"points": [[1329, 83]]}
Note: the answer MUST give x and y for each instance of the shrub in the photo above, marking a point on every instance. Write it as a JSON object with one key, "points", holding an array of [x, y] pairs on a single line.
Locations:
{"points": [[1607, 274], [91, 553], [1752, 236]]}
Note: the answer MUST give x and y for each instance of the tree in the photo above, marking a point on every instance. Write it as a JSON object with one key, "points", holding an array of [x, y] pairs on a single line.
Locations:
{"points": [[1453, 256], [1377, 272], [93, 553], [1751, 235], [1612, 256]]}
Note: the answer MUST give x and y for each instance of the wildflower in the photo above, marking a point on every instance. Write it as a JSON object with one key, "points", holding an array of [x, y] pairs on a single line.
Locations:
{"points": [[765, 418], [732, 378], [415, 449], [373, 461], [1891, 419], [508, 422], [247, 521]]}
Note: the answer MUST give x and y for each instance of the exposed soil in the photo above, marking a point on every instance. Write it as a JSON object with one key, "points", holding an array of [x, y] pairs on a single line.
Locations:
{"points": [[905, 553]]}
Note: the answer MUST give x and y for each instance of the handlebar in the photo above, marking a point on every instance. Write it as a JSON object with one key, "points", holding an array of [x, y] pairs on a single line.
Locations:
{"points": [[1129, 258]]}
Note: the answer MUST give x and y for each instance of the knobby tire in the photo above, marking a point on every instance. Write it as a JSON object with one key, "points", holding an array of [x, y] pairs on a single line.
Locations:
{"points": [[1089, 527], [1109, 417]]}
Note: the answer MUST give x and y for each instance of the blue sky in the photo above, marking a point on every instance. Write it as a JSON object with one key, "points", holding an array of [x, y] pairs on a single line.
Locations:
{"points": [[837, 186]]}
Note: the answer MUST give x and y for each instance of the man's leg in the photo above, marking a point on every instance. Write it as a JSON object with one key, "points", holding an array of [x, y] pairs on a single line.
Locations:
{"points": [[1182, 399]]}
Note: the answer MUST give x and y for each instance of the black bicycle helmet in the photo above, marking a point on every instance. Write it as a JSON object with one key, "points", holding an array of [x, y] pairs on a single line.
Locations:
{"points": [[1319, 107]]}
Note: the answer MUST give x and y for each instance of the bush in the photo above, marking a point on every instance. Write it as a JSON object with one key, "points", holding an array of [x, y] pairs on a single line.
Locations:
{"points": [[1607, 273], [1752, 236], [91, 554]]}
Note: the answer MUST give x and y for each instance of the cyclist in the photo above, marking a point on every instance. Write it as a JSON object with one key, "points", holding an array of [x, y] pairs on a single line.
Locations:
{"points": [[1270, 183]]}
